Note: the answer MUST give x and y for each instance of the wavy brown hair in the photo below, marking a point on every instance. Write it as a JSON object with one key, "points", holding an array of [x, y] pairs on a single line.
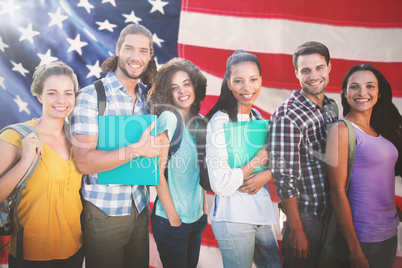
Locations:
{"points": [[110, 64], [160, 96]]}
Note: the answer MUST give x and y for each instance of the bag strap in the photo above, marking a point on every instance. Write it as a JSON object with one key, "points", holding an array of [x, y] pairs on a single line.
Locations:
{"points": [[351, 150], [100, 90], [173, 147], [177, 135], [256, 114], [24, 129]]}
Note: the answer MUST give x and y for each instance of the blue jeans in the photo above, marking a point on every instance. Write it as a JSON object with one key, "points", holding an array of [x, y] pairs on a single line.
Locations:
{"points": [[178, 246], [241, 243]]}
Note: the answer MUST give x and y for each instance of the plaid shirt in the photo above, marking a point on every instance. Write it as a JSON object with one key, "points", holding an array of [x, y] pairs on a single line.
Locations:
{"points": [[298, 132], [113, 200]]}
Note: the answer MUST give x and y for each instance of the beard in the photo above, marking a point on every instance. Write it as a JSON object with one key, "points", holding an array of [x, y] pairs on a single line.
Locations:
{"points": [[126, 73]]}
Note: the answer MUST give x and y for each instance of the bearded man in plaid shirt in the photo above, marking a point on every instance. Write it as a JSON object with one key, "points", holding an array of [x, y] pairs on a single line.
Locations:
{"points": [[298, 131], [116, 217]]}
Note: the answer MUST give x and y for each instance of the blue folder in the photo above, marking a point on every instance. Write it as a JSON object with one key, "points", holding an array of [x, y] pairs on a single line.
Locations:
{"points": [[117, 132], [243, 141]]}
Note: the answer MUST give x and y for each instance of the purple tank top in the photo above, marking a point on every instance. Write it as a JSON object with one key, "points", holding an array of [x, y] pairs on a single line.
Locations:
{"points": [[372, 188]]}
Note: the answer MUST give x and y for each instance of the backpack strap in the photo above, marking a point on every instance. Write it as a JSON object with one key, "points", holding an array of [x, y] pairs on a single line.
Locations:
{"points": [[173, 147], [24, 129], [351, 150], [256, 114], [100, 90], [177, 135]]}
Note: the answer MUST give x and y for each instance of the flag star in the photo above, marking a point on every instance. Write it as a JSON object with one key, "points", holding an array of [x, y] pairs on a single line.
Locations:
{"points": [[9, 8], [157, 5], [22, 105], [46, 58], [94, 70], [113, 2], [158, 66], [27, 33], [57, 18], [85, 4], [2, 83], [157, 40], [132, 18], [76, 44], [2, 44], [106, 25], [18, 68]]}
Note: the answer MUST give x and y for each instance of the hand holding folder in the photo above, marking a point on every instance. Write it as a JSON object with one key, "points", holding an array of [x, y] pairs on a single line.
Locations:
{"points": [[120, 131], [243, 141]]}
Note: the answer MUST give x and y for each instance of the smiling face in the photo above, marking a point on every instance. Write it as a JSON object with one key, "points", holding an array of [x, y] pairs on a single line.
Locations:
{"points": [[183, 91], [133, 56], [57, 97], [362, 91], [313, 75], [245, 83]]}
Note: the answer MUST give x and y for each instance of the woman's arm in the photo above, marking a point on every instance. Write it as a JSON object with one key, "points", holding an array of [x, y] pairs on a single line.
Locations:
{"points": [[205, 205], [15, 162], [255, 181], [337, 159], [162, 188]]}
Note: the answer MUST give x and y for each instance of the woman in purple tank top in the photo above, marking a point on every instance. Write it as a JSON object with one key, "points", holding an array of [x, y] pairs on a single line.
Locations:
{"points": [[367, 215]]}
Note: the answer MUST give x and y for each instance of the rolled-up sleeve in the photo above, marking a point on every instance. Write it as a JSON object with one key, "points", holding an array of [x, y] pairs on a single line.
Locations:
{"points": [[284, 143], [224, 180]]}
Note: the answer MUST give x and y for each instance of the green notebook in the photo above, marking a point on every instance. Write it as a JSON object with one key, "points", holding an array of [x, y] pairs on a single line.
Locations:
{"points": [[243, 141], [119, 131]]}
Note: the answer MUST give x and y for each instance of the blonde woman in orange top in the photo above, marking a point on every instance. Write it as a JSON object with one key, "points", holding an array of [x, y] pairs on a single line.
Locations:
{"points": [[51, 206]]}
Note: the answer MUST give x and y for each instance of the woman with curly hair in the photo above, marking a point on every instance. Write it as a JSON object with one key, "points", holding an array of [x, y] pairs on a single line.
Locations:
{"points": [[366, 214], [180, 215]]}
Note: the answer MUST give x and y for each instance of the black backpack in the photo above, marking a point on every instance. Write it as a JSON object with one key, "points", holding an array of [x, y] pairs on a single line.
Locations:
{"points": [[201, 144]]}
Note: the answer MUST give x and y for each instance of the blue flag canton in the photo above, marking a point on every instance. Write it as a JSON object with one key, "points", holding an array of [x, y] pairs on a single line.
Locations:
{"points": [[81, 33]]}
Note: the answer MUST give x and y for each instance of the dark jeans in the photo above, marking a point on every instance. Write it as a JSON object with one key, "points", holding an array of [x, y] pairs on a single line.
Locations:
{"points": [[379, 254], [313, 228], [74, 261], [115, 241], [178, 246]]}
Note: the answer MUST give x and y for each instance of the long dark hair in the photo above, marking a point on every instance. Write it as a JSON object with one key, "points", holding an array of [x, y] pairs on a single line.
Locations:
{"points": [[161, 94], [111, 63], [385, 118], [227, 101]]}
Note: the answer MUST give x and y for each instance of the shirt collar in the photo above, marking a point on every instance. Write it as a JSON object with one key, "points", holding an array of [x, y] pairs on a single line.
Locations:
{"points": [[114, 84], [308, 103]]}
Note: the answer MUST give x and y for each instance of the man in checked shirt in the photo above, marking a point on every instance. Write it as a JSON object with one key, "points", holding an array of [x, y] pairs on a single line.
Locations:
{"points": [[298, 131], [115, 217]]}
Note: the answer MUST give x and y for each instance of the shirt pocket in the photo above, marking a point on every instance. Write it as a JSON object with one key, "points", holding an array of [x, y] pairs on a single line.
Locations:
{"points": [[315, 149]]}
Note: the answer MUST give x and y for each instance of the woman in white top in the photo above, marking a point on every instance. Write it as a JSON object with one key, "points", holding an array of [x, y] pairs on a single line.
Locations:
{"points": [[242, 214]]}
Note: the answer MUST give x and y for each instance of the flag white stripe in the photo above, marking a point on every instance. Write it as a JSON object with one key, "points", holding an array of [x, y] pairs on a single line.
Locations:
{"points": [[283, 36]]}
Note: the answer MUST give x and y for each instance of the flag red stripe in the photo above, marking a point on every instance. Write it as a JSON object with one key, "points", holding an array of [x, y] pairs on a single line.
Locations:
{"points": [[278, 71], [370, 13]]}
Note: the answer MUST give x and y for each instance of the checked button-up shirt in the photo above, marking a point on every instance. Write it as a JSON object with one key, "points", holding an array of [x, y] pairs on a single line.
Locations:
{"points": [[298, 133], [113, 200]]}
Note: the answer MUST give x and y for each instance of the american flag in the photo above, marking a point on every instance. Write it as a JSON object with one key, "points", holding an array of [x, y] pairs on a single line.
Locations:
{"points": [[83, 33]]}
